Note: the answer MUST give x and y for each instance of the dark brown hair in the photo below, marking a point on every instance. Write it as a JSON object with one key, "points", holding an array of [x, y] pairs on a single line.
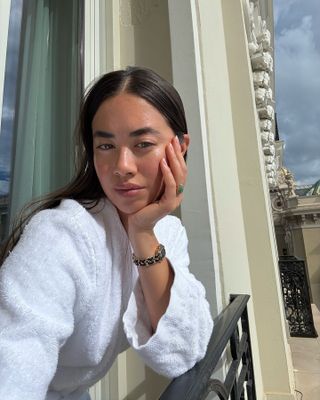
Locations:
{"points": [[85, 186]]}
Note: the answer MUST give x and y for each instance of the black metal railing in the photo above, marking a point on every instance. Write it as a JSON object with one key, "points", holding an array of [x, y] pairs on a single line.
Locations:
{"points": [[296, 296], [231, 336]]}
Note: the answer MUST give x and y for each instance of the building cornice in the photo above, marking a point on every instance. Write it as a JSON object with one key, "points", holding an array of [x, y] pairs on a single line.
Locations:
{"points": [[300, 212]]}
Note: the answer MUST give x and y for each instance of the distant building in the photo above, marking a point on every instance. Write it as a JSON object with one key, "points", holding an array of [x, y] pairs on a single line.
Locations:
{"points": [[296, 213]]}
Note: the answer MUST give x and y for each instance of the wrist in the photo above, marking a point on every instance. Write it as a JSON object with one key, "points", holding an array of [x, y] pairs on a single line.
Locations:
{"points": [[144, 243], [156, 258]]}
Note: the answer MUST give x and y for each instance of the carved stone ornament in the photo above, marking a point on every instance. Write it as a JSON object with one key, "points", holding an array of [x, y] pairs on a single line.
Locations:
{"points": [[260, 51], [277, 203], [281, 176], [291, 184]]}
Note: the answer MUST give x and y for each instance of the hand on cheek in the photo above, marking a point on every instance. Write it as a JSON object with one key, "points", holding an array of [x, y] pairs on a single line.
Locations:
{"points": [[174, 172]]}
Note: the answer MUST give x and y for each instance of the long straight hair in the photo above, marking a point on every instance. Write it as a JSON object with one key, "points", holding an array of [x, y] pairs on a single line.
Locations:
{"points": [[85, 186]]}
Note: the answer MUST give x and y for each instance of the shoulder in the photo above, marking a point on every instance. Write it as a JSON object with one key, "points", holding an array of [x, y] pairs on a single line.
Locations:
{"points": [[67, 229], [69, 217], [68, 212], [55, 257]]}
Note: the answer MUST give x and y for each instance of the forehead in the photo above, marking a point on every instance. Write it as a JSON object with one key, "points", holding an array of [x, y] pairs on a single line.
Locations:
{"points": [[127, 110]]}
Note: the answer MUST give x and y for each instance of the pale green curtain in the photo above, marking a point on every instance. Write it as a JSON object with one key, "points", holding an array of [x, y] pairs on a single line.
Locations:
{"points": [[49, 92]]}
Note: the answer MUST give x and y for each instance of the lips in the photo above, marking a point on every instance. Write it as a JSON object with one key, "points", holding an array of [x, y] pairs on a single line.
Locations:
{"points": [[128, 189]]}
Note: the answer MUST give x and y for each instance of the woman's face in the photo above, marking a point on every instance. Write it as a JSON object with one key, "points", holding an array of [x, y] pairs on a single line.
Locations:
{"points": [[129, 141]]}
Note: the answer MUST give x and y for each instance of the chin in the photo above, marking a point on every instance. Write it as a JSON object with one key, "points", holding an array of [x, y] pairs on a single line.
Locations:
{"points": [[130, 208]]}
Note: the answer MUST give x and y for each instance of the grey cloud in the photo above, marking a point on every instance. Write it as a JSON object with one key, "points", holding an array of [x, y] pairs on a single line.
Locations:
{"points": [[288, 15], [297, 66]]}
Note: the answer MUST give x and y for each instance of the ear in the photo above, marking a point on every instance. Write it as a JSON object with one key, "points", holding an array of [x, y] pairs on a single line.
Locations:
{"points": [[185, 144]]}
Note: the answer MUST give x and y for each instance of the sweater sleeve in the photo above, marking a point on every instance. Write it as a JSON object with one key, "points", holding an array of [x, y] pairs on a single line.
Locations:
{"points": [[43, 285], [183, 332]]}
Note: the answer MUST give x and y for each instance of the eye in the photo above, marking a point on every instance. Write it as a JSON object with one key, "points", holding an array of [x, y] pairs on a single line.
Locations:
{"points": [[143, 145], [105, 146]]}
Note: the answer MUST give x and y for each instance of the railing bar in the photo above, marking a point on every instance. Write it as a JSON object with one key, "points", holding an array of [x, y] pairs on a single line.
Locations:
{"points": [[251, 394], [231, 375], [242, 378], [215, 385], [230, 319], [245, 328], [230, 316], [224, 326], [234, 343], [232, 372], [243, 346]]}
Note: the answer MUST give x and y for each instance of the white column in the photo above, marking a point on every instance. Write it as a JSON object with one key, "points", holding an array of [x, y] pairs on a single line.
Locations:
{"points": [[212, 70], [197, 207], [102, 54], [258, 221], [101, 38]]}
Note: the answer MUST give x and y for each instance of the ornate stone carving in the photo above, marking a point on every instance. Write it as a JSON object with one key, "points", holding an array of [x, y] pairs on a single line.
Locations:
{"points": [[281, 176], [261, 79], [288, 239], [277, 202], [285, 182], [291, 184], [260, 51]]}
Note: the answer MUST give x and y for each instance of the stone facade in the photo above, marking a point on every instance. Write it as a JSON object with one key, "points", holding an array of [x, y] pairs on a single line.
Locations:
{"points": [[261, 56], [297, 223]]}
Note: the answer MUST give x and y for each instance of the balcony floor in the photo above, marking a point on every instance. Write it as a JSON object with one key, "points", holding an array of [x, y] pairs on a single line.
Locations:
{"points": [[306, 362]]}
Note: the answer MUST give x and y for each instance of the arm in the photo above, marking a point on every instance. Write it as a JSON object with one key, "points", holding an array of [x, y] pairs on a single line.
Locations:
{"points": [[184, 330], [176, 334], [156, 281], [40, 286]]}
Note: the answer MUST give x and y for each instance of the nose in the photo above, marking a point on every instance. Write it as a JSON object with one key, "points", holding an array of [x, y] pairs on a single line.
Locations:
{"points": [[125, 163]]}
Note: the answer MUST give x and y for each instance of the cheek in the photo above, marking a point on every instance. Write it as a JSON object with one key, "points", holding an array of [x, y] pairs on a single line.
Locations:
{"points": [[152, 162], [100, 166], [96, 165]]}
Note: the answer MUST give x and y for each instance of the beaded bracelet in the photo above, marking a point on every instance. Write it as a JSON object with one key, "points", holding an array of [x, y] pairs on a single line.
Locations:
{"points": [[159, 255]]}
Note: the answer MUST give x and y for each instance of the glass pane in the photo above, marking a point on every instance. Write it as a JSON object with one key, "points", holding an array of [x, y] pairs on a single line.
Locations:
{"points": [[8, 111], [48, 89]]}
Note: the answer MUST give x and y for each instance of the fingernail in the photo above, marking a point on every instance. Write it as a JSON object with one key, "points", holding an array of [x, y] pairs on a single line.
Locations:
{"points": [[164, 161]]}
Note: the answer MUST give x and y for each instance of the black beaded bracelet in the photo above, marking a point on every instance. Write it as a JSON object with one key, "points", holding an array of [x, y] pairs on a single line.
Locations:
{"points": [[159, 255]]}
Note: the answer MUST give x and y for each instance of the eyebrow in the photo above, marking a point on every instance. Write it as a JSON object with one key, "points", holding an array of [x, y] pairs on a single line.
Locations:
{"points": [[136, 133]]}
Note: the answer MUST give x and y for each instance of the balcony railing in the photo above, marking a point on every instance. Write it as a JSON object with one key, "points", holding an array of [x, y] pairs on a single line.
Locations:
{"points": [[296, 296], [230, 335]]}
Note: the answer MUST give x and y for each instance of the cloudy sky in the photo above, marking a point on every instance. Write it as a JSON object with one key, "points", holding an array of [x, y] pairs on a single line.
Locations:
{"points": [[297, 69]]}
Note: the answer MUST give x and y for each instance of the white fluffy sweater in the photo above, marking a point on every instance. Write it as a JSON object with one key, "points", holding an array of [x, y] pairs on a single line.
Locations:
{"points": [[71, 301]]}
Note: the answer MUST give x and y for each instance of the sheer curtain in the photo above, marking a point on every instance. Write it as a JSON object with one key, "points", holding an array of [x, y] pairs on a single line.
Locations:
{"points": [[49, 91]]}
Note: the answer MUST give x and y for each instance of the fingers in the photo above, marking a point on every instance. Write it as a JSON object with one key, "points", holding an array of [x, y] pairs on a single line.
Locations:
{"points": [[176, 162], [174, 171], [169, 195]]}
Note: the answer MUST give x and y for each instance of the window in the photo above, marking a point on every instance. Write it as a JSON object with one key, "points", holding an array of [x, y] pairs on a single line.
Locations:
{"points": [[41, 96]]}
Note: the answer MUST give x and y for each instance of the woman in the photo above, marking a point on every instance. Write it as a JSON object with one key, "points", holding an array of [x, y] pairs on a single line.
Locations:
{"points": [[100, 264]]}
